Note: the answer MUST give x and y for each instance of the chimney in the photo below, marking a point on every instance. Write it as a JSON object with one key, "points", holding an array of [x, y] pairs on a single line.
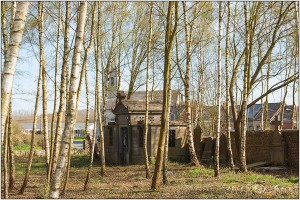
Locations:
{"points": [[120, 96]]}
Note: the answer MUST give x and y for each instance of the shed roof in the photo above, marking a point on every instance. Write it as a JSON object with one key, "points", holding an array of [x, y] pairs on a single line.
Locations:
{"points": [[140, 106], [157, 95]]}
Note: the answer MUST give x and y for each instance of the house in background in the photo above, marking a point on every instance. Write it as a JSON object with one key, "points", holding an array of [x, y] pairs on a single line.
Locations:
{"points": [[254, 114], [79, 128]]}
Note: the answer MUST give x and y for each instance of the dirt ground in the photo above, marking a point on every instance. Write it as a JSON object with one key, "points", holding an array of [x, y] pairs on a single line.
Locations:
{"points": [[184, 182]]}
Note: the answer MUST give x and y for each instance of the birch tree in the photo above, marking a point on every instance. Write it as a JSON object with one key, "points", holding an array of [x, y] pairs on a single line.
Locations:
{"points": [[82, 75], [188, 27], [69, 124], [3, 26], [229, 149], [93, 140], [4, 156], [10, 59], [55, 91], [243, 166], [44, 82], [62, 89], [97, 43], [217, 145], [146, 124], [11, 156]]}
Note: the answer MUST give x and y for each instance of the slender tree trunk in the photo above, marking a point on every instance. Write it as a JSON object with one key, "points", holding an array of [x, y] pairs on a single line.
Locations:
{"points": [[169, 38], [70, 122], [217, 146], [119, 56], [30, 157], [83, 73], [55, 92], [92, 149], [243, 166], [229, 149], [287, 74], [13, 13], [296, 57], [262, 124], [3, 26], [87, 117], [12, 179], [166, 153], [10, 60], [153, 80], [57, 137], [188, 35], [266, 105], [44, 83], [4, 154], [146, 123], [294, 111], [97, 47]]}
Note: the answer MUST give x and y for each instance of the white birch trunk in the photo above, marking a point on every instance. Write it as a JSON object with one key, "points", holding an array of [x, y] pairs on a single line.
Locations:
{"points": [[11, 58], [97, 49], [44, 82], [70, 122], [229, 149], [92, 148], [57, 136], [190, 138], [217, 146], [146, 124], [243, 166], [55, 93]]}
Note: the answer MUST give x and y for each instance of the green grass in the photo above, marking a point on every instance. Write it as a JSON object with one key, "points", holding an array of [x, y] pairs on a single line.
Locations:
{"points": [[196, 172], [251, 177], [25, 147], [79, 137], [294, 179]]}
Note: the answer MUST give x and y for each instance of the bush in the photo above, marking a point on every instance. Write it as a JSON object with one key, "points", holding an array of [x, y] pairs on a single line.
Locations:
{"points": [[22, 140]]}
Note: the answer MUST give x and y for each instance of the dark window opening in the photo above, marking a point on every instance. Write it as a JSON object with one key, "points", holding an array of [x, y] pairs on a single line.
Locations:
{"points": [[141, 136], [112, 81], [110, 136], [171, 138]]}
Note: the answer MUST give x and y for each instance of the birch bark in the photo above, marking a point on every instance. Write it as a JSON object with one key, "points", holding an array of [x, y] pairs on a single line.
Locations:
{"points": [[146, 123], [70, 122], [10, 60], [57, 136]]}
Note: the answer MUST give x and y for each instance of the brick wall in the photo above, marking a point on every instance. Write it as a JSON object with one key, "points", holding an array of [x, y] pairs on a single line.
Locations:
{"points": [[259, 146], [292, 146]]}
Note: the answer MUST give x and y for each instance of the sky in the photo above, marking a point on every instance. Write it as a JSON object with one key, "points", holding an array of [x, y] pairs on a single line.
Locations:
{"points": [[25, 80], [25, 83]]}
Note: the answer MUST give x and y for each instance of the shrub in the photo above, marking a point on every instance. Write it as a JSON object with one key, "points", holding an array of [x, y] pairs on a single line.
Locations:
{"points": [[293, 179]]}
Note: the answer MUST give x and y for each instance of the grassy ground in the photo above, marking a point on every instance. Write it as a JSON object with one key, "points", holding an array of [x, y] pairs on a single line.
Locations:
{"points": [[25, 147], [184, 182]]}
